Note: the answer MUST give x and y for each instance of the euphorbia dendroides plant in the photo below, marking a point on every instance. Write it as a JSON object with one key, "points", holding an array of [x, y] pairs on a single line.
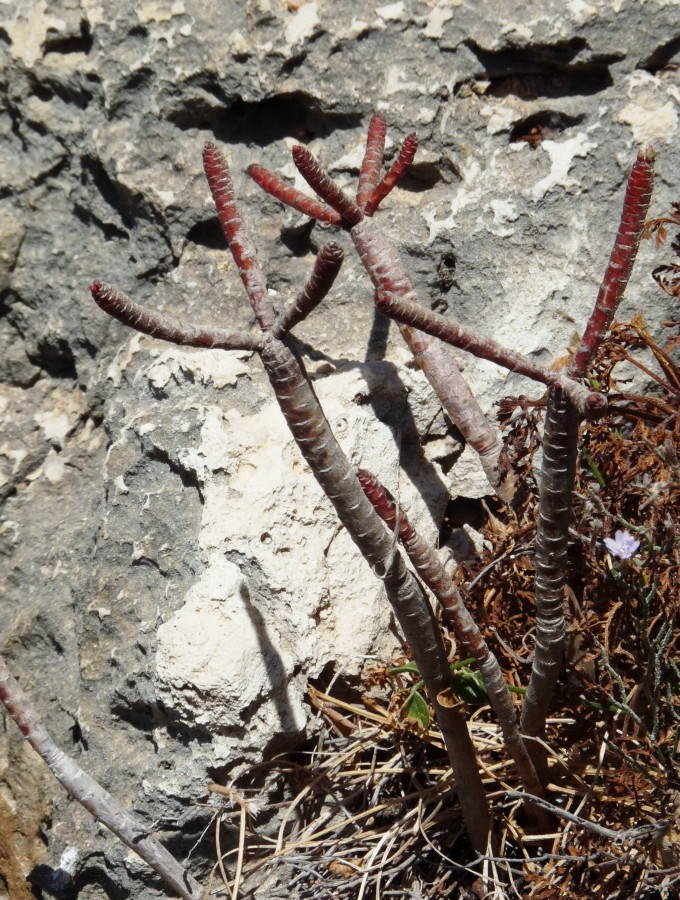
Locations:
{"points": [[370, 515]]}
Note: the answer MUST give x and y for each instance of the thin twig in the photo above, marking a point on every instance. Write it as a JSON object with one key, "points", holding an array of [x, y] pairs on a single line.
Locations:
{"points": [[652, 830]]}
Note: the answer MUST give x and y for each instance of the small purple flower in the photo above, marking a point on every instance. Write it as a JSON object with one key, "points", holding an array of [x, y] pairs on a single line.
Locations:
{"points": [[623, 545]]}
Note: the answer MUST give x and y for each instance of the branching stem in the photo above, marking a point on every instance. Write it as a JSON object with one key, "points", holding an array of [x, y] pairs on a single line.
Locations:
{"points": [[97, 801], [335, 475], [404, 310], [388, 274]]}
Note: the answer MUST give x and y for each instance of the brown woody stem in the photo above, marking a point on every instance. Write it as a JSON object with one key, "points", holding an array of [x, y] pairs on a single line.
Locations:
{"points": [[97, 801], [558, 469]]}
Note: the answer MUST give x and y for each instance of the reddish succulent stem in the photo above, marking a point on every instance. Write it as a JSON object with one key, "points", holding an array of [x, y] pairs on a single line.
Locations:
{"points": [[635, 206], [289, 195], [429, 566], [332, 470], [222, 191], [404, 310], [387, 272], [326, 267], [121, 307], [372, 163], [325, 187], [395, 174], [334, 473], [560, 445], [97, 801]]}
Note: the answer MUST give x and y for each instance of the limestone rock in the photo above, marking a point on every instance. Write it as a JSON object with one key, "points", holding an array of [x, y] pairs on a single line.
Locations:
{"points": [[172, 575]]}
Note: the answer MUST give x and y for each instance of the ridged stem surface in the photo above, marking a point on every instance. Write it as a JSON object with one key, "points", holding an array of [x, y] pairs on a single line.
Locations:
{"points": [[635, 206], [394, 174], [322, 184], [337, 478], [558, 470], [560, 447], [414, 314], [286, 193], [121, 307], [221, 188], [372, 162], [428, 564], [326, 267]]}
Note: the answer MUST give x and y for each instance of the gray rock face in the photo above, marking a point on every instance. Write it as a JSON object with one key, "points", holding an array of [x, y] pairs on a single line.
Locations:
{"points": [[172, 575]]}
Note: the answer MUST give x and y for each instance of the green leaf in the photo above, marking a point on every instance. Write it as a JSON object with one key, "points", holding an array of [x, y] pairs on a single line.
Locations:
{"points": [[463, 663], [593, 468], [470, 688], [416, 709], [407, 667]]}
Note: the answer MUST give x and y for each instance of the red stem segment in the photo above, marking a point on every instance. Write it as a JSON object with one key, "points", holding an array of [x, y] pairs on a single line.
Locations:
{"points": [[222, 191], [326, 268], [97, 801], [289, 195], [635, 206], [395, 174], [372, 164], [560, 447], [121, 307], [407, 312], [387, 272], [429, 566], [325, 187]]}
